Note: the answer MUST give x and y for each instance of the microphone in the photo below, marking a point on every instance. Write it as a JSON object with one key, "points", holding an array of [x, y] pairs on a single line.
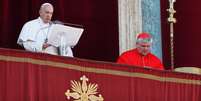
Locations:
{"points": [[69, 24], [57, 22]]}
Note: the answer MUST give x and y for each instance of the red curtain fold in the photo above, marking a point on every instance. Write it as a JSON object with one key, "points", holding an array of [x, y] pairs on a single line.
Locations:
{"points": [[186, 33], [26, 76], [99, 18]]}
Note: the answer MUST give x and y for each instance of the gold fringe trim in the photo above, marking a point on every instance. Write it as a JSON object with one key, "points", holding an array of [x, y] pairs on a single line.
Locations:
{"points": [[98, 70]]}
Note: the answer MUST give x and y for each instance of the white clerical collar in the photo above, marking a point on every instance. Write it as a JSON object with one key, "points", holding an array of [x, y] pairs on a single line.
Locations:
{"points": [[42, 23]]}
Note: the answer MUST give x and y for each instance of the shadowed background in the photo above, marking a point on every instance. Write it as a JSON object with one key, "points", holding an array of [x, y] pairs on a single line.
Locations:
{"points": [[100, 19]]}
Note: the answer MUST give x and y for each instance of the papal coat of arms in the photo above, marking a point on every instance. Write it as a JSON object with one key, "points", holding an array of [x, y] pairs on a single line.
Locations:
{"points": [[82, 91]]}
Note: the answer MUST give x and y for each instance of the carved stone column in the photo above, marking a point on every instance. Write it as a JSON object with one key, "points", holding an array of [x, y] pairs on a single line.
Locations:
{"points": [[130, 23], [151, 23], [137, 16]]}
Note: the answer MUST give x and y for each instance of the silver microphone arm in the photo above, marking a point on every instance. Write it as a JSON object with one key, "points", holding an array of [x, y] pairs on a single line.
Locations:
{"points": [[64, 23]]}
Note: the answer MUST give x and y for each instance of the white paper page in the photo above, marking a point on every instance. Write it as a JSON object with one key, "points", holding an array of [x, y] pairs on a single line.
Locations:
{"points": [[69, 35]]}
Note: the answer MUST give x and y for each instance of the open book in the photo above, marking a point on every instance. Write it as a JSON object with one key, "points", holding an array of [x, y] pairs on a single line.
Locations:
{"points": [[62, 34]]}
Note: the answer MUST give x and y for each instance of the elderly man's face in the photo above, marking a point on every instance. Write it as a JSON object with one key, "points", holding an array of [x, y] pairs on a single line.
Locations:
{"points": [[143, 48], [46, 13]]}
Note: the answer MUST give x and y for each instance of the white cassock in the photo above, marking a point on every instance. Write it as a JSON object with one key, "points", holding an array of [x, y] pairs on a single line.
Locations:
{"points": [[34, 34]]}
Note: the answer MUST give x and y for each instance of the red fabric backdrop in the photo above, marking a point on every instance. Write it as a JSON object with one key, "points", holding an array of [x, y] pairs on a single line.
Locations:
{"points": [[187, 33], [99, 18], [28, 76]]}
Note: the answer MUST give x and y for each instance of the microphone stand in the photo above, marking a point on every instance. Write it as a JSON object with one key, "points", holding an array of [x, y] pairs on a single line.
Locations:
{"points": [[69, 24]]}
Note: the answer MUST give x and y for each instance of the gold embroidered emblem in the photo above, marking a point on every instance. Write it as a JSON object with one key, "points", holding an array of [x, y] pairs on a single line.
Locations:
{"points": [[83, 92]]}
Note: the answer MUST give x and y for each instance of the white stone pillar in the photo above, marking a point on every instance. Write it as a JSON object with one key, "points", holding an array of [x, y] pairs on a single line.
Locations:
{"points": [[130, 23]]}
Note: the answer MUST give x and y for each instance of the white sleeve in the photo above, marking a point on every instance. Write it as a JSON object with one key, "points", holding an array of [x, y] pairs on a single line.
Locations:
{"points": [[28, 32], [33, 46]]}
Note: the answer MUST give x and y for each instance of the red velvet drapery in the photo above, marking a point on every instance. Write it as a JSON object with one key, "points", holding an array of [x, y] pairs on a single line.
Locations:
{"points": [[186, 33], [28, 76], [99, 18]]}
